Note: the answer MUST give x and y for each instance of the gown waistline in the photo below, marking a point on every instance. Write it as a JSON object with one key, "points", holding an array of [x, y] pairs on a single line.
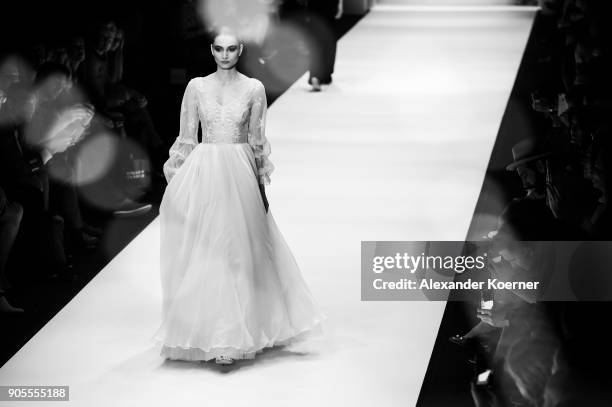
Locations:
{"points": [[222, 142]]}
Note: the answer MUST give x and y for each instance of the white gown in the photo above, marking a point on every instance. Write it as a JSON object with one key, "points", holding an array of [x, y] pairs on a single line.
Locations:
{"points": [[230, 284]]}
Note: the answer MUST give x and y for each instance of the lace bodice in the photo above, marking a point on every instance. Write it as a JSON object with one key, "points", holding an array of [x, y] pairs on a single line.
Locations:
{"points": [[238, 119]]}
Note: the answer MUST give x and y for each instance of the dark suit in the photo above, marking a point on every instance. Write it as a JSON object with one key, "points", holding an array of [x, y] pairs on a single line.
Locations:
{"points": [[26, 182], [10, 219], [21, 172]]}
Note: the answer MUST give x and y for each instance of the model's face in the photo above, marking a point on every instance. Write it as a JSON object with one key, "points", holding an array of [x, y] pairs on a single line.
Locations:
{"points": [[226, 50]]}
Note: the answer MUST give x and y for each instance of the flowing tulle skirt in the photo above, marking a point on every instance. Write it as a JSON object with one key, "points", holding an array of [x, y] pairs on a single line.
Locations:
{"points": [[230, 284]]}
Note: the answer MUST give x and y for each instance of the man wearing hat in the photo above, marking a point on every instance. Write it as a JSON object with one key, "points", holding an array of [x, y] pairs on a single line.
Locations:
{"points": [[528, 217], [526, 225]]}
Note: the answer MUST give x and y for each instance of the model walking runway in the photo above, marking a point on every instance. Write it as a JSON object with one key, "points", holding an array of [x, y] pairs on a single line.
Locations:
{"points": [[395, 149]]}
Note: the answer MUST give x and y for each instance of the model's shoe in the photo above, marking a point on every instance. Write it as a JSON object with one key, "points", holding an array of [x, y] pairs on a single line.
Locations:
{"points": [[316, 85], [224, 360]]}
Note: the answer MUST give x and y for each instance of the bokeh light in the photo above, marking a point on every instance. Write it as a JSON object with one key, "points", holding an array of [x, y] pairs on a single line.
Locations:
{"points": [[106, 172], [293, 51], [241, 16], [282, 58], [95, 156]]}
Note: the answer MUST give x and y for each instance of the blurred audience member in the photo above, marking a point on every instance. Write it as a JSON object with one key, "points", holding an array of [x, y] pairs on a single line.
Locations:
{"points": [[317, 17], [102, 77], [10, 219]]}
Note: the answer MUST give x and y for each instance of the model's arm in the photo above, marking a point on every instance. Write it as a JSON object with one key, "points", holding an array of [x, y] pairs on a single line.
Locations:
{"points": [[188, 132], [258, 140]]}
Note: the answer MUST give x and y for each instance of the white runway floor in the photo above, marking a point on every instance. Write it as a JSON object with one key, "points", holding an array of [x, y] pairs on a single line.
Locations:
{"points": [[396, 149]]}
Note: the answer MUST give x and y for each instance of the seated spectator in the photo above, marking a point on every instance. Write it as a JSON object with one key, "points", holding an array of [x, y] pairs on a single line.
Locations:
{"points": [[76, 56], [54, 128], [527, 217], [10, 218], [24, 182], [59, 54], [529, 362], [40, 54], [103, 75], [598, 172]]}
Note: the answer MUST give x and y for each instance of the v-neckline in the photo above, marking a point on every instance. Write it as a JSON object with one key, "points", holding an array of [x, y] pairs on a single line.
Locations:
{"points": [[232, 100], [226, 103]]}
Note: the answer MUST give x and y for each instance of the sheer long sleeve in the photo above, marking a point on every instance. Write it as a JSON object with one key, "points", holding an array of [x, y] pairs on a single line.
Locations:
{"points": [[188, 132], [256, 136]]}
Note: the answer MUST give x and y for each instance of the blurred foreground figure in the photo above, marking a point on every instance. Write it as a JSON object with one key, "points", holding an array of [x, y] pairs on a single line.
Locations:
{"points": [[318, 19]]}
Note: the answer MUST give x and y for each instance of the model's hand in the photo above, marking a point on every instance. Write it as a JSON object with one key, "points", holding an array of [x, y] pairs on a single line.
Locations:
{"points": [[262, 190]]}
